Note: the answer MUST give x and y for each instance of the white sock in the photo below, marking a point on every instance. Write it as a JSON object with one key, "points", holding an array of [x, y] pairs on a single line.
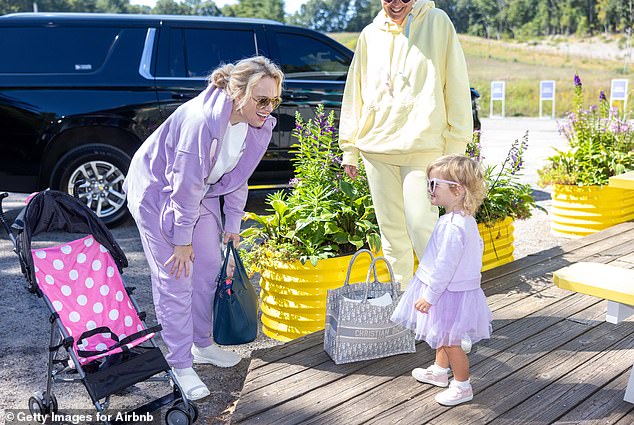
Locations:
{"points": [[439, 370], [463, 384]]}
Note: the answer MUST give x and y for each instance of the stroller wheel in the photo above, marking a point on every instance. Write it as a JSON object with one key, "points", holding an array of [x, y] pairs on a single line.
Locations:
{"points": [[37, 409], [193, 410], [53, 406], [177, 415]]}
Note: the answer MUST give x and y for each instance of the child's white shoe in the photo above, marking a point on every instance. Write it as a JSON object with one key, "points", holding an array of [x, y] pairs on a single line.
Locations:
{"points": [[432, 375], [455, 394]]}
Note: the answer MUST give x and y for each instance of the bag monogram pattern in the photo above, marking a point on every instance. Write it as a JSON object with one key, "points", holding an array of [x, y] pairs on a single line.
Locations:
{"points": [[357, 330]]}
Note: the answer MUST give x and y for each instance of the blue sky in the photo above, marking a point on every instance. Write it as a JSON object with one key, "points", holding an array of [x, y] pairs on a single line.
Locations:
{"points": [[290, 6]]}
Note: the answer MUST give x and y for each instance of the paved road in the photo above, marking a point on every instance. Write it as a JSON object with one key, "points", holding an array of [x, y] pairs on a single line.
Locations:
{"points": [[543, 137]]}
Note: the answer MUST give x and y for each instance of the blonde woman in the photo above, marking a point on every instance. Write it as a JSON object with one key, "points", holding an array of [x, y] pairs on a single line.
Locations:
{"points": [[207, 149], [444, 302]]}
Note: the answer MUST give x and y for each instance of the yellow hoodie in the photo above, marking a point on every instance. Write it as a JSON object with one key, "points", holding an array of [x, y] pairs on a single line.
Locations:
{"points": [[407, 91]]}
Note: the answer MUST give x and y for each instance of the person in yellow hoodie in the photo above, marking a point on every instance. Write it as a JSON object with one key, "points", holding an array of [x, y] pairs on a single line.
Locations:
{"points": [[406, 103]]}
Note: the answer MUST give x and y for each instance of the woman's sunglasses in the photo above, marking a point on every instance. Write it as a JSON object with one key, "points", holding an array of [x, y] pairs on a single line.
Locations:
{"points": [[262, 102], [433, 183], [390, 1]]}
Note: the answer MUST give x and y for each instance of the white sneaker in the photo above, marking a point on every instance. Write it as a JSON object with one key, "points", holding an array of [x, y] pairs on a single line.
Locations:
{"points": [[431, 376], [193, 388], [215, 355], [455, 395]]}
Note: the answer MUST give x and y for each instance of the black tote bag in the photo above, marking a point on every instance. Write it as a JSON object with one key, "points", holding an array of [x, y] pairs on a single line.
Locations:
{"points": [[235, 305]]}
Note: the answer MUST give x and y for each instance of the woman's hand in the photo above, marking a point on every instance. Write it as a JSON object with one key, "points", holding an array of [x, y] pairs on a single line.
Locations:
{"points": [[351, 171], [180, 259], [422, 305], [231, 237], [231, 264]]}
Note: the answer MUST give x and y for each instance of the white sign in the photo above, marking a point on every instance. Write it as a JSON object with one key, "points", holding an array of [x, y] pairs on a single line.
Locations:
{"points": [[547, 92], [497, 90], [497, 93], [618, 91]]}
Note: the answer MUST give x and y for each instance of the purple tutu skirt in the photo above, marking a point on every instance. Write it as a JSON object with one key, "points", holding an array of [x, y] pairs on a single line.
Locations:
{"points": [[454, 316]]}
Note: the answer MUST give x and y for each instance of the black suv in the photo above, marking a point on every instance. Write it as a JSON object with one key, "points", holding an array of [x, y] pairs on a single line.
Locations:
{"points": [[80, 92]]}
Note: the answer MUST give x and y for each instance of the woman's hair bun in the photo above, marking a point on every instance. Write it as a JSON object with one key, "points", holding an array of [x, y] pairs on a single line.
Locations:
{"points": [[221, 76]]}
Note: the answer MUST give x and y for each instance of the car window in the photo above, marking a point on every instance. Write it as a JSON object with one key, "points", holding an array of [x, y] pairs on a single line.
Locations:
{"points": [[309, 58], [197, 52], [54, 50]]}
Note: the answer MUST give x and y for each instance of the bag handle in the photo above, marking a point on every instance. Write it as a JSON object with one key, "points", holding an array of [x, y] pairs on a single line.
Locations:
{"points": [[372, 268], [236, 257], [352, 260]]}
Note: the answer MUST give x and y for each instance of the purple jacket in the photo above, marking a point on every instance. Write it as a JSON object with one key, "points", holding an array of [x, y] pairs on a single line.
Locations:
{"points": [[168, 174]]}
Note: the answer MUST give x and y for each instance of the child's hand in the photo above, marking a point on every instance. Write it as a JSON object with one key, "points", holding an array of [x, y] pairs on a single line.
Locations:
{"points": [[422, 305]]}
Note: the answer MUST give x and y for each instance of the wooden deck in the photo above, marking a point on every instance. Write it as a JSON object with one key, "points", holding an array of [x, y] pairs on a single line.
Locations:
{"points": [[552, 358]]}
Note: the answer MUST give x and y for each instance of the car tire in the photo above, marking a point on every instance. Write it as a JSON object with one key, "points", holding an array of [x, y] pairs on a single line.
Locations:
{"points": [[94, 174]]}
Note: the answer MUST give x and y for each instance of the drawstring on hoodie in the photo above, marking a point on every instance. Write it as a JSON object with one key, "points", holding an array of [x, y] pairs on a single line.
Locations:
{"points": [[388, 81]]}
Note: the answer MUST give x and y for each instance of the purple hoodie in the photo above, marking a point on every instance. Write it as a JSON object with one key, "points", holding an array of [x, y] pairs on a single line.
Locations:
{"points": [[168, 174]]}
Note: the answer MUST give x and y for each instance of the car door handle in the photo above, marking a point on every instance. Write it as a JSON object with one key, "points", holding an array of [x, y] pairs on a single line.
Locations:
{"points": [[182, 96]]}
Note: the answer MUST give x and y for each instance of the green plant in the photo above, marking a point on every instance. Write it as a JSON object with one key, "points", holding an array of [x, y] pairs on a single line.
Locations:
{"points": [[506, 195], [325, 214], [601, 145]]}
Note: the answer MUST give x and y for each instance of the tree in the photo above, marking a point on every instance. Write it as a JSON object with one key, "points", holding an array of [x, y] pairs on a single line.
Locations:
{"points": [[362, 12], [265, 9], [323, 15], [171, 7]]}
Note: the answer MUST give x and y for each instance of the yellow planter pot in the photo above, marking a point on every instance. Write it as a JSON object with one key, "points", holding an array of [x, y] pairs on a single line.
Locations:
{"points": [[498, 243], [293, 295], [581, 211]]}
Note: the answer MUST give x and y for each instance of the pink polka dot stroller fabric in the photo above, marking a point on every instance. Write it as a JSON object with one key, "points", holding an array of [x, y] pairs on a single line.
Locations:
{"points": [[83, 285]]}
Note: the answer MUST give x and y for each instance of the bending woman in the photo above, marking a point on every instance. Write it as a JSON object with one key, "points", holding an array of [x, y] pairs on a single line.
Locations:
{"points": [[207, 149]]}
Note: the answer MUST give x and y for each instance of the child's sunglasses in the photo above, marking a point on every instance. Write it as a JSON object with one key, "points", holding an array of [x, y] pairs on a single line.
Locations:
{"points": [[390, 1], [433, 183], [263, 101]]}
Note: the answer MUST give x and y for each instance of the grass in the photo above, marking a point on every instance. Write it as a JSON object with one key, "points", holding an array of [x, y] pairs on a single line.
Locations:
{"points": [[522, 66]]}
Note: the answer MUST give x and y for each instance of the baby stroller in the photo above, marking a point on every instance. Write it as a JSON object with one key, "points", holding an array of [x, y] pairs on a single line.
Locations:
{"points": [[98, 333]]}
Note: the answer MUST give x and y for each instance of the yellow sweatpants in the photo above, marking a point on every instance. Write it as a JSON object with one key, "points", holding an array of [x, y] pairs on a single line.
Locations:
{"points": [[404, 212]]}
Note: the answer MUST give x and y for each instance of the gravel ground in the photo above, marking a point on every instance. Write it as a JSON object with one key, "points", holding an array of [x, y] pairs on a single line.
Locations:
{"points": [[25, 327]]}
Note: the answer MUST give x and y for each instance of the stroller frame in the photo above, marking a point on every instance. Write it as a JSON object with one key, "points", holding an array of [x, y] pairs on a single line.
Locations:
{"points": [[43, 403]]}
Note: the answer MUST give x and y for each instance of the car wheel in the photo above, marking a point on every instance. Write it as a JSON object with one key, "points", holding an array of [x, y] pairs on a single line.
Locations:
{"points": [[95, 175]]}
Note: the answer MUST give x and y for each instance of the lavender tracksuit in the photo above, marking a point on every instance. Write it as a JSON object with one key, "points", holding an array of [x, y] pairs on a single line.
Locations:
{"points": [[173, 205]]}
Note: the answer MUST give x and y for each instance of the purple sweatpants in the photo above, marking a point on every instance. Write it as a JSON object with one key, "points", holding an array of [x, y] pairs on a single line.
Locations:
{"points": [[183, 306]]}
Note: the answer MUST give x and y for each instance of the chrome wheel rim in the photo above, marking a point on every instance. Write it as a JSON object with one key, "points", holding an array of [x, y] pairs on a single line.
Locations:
{"points": [[99, 184]]}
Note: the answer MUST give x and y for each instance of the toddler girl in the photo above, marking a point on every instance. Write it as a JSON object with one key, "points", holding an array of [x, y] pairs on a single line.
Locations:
{"points": [[444, 303]]}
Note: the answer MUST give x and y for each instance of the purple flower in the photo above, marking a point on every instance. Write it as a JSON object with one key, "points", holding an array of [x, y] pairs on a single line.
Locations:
{"points": [[577, 81], [602, 97]]}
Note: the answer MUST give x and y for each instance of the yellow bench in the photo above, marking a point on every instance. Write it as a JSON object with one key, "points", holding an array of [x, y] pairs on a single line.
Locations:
{"points": [[623, 181], [612, 283]]}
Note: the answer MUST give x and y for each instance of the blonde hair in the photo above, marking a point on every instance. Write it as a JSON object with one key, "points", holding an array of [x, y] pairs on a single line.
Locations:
{"points": [[466, 171], [238, 79]]}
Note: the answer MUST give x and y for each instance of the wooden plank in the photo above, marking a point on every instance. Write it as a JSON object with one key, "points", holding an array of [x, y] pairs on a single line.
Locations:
{"points": [[531, 373], [488, 366], [605, 406], [573, 388], [366, 379]]}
